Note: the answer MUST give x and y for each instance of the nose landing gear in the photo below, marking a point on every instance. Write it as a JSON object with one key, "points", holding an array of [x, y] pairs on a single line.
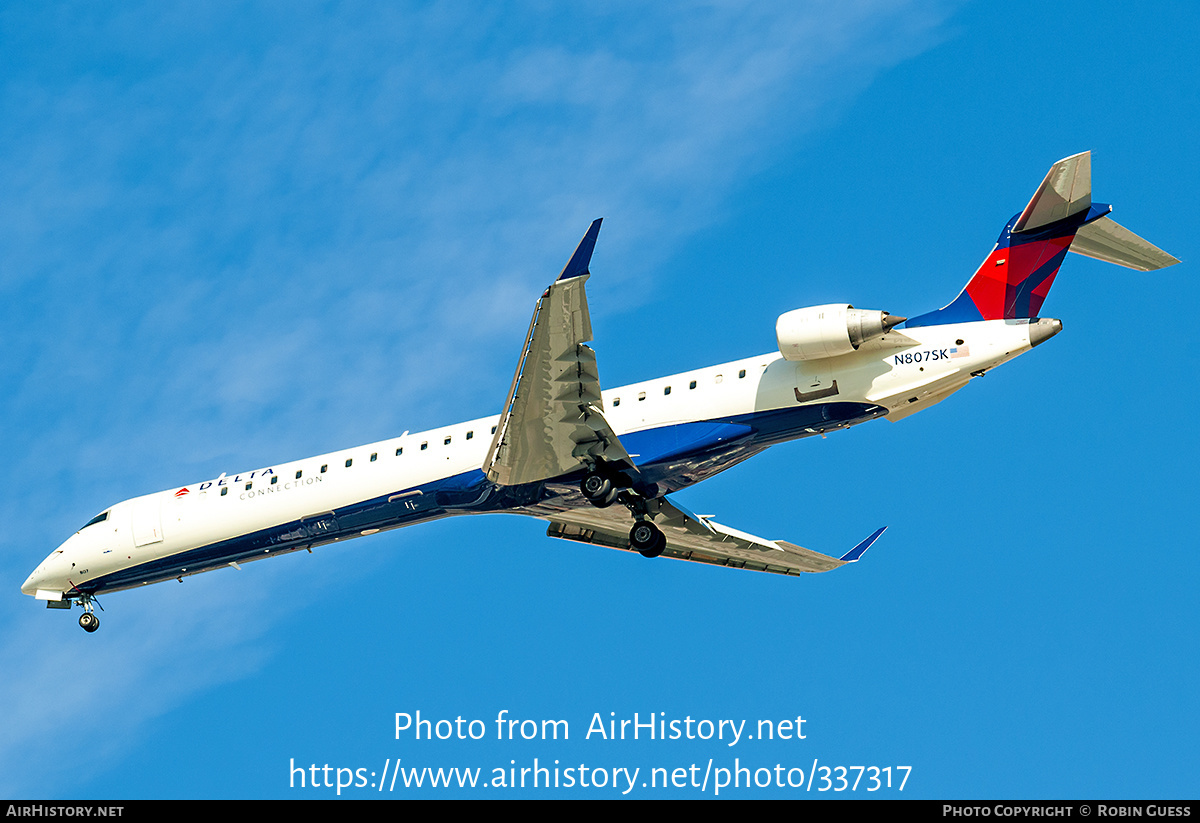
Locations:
{"points": [[89, 621]]}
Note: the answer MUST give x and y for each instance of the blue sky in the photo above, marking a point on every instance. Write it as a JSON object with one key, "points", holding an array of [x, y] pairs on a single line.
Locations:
{"points": [[238, 235]]}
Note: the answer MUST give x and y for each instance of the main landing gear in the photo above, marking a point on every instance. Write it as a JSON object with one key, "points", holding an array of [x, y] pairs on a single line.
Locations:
{"points": [[646, 539], [600, 489]]}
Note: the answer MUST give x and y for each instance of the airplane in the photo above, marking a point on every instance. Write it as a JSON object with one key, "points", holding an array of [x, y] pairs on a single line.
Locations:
{"points": [[603, 466]]}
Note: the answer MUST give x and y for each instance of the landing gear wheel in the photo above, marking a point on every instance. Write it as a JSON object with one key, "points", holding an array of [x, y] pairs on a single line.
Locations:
{"points": [[598, 490], [89, 622], [646, 539]]}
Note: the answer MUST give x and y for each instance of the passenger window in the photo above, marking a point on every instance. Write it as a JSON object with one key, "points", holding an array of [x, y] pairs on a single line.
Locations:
{"points": [[470, 435], [224, 490], [424, 446], [742, 373], [299, 473], [324, 468], [720, 378], [248, 485], [493, 429], [399, 451], [692, 385], [446, 442], [274, 479], [641, 395], [348, 462], [667, 390], [374, 456]]}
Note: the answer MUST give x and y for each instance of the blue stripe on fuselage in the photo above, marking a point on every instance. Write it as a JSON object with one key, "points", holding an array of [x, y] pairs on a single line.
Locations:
{"points": [[671, 457]]}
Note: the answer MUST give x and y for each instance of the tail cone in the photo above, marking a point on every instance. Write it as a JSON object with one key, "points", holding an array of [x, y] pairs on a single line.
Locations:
{"points": [[1042, 329]]}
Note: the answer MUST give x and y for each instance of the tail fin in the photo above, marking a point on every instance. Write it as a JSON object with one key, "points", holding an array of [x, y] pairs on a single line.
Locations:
{"points": [[1014, 279]]}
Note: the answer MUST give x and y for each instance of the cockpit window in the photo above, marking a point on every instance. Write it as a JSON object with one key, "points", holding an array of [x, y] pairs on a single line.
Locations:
{"points": [[100, 518]]}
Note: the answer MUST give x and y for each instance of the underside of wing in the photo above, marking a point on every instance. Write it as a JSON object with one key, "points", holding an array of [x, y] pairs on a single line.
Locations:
{"points": [[553, 426], [698, 538], [553, 422]]}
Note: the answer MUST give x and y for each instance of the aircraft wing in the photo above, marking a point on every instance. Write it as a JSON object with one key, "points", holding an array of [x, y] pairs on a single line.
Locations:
{"points": [[553, 420], [697, 538], [553, 424]]}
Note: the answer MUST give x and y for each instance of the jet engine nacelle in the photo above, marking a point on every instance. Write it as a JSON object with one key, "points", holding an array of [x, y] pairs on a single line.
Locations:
{"points": [[828, 331]]}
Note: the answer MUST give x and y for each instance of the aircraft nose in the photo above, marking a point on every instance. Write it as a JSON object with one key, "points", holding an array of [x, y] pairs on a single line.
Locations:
{"points": [[37, 580], [50, 573]]}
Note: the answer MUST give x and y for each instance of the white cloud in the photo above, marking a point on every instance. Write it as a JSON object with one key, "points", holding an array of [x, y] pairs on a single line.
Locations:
{"points": [[224, 229]]}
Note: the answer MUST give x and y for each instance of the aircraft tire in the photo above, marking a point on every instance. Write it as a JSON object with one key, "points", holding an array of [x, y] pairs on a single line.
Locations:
{"points": [[89, 622], [646, 539], [598, 490]]}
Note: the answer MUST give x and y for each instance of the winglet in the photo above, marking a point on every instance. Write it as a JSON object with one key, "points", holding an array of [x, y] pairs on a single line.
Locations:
{"points": [[858, 551], [578, 264]]}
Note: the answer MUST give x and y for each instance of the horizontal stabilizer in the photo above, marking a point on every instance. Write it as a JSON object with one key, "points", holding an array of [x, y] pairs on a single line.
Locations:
{"points": [[1066, 191], [1107, 240]]}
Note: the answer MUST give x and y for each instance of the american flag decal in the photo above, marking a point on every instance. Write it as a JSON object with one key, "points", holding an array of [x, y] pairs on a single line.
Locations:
{"points": [[960, 351]]}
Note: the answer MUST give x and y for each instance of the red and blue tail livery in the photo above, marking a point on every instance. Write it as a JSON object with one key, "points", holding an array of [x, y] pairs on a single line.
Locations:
{"points": [[1013, 281], [608, 466]]}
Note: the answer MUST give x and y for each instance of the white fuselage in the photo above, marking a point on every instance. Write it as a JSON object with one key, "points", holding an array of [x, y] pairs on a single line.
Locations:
{"points": [[928, 364]]}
